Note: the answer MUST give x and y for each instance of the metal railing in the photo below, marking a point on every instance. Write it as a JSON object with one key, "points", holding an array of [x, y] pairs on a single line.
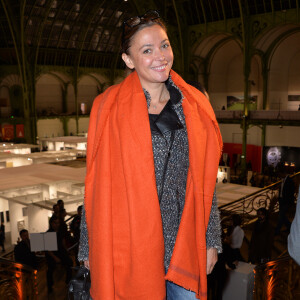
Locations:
{"points": [[17, 281], [278, 279], [247, 206]]}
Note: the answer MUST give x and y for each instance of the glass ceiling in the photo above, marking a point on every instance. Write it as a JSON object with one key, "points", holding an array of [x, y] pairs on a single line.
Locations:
{"points": [[63, 29]]}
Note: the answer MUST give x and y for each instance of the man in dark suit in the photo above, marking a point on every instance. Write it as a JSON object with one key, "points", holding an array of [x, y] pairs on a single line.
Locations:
{"points": [[23, 252]]}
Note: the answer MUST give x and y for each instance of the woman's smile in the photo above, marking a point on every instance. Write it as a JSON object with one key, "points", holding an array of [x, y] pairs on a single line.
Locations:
{"points": [[151, 55], [160, 68]]}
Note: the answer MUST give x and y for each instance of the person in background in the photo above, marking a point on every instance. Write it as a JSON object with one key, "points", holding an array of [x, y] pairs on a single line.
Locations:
{"points": [[22, 251], [236, 238], [56, 210], [262, 239], [75, 224], [63, 227], [60, 256], [60, 204], [2, 236], [150, 227], [286, 200], [75, 229], [294, 236]]}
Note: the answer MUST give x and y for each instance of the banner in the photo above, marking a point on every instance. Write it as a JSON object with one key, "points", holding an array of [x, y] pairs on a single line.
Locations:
{"points": [[20, 130], [8, 132]]}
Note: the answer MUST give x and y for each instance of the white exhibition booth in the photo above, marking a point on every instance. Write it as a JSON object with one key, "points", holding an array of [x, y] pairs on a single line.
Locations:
{"points": [[30, 207], [30, 184]]}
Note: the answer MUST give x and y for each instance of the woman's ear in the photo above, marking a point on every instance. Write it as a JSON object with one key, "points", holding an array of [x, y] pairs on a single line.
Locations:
{"points": [[126, 58]]}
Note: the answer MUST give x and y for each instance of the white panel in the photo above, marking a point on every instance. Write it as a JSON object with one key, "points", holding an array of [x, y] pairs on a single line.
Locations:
{"points": [[231, 133], [72, 126], [83, 125], [240, 283], [282, 136], [254, 136], [49, 128], [38, 219]]}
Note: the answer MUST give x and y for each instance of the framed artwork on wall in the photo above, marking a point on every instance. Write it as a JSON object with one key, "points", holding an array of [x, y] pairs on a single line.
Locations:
{"points": [[237, 103]]}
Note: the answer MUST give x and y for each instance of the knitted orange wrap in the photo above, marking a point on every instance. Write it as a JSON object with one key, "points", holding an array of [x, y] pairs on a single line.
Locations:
{"points": [[122, 209]]}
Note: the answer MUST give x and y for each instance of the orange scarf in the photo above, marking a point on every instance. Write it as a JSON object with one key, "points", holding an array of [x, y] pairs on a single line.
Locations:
{"points": [[122, 209]]}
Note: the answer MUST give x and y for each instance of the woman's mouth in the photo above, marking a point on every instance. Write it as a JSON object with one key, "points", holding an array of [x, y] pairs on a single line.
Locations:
{"points": [[159, 68]]}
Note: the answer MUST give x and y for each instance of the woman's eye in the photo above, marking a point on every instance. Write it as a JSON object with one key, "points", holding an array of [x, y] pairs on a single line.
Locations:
{"points": [[147, 51], [165, 45]]}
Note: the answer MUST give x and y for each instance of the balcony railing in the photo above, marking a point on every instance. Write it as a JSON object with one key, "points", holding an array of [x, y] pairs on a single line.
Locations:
{"points": [[266, 117], [259, 115], [248, 205], [17, 281], [278, 279]]}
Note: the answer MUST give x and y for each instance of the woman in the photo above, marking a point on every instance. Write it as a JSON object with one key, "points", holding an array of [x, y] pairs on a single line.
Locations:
{"points": [[153, 152]]}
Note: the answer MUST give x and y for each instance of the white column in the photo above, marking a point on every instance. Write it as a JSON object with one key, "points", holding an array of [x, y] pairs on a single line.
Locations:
{"points": [[38, 219], [16, 216]]}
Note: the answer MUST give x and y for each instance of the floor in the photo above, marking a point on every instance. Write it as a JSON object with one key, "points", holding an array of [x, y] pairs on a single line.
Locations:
{"points": [[229, 192]]}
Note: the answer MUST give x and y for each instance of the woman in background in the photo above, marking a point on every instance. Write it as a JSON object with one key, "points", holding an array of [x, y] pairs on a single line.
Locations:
{"points": [[150, 227]]}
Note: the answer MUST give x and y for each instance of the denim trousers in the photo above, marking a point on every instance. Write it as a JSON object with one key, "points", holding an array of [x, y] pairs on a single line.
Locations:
{"points": [[176, 292]]}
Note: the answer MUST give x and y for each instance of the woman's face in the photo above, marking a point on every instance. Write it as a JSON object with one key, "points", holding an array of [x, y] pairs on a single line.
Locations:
{"points": [[151, 55]]}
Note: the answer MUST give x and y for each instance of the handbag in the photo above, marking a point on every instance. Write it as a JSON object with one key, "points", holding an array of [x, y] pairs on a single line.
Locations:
{"points": [[80, 284]]}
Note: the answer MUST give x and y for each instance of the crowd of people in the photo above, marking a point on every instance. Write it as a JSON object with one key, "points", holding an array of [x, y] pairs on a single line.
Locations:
{"points": [[259, 248], [67, 239]]}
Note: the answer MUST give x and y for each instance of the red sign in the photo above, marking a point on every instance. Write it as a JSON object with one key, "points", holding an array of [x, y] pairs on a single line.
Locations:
{"points": [[20, 130], [8, 132]]}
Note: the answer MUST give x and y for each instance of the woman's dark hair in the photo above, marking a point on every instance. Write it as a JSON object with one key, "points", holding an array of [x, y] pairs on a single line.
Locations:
{"points": [[134, 24]]}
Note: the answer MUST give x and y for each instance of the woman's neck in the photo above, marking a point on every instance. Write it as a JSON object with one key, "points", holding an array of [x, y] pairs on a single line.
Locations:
{"points": [[158, 93]]}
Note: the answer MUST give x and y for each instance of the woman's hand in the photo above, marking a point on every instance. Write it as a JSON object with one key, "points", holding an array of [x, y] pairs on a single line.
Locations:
{"points": [[87, 264], [212, 258]]}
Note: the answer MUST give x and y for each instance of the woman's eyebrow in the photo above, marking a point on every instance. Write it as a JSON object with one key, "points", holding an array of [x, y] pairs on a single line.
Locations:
{"points": [[146, 45], [150, 45]]}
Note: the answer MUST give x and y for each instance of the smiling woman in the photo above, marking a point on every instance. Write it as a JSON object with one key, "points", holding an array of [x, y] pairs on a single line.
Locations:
{"points": [[150, 227], [151, 55], [146, 48]]}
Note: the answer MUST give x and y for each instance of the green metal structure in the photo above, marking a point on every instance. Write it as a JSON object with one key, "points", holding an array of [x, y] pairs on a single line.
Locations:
{"points": [[77, 37]]}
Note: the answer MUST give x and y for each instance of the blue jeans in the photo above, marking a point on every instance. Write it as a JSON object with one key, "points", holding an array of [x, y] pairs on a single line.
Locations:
{"points": [[176, 292]]}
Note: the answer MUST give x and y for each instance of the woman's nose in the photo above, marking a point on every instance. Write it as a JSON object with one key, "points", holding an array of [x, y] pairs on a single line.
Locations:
{"points": [[160, 55]]}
